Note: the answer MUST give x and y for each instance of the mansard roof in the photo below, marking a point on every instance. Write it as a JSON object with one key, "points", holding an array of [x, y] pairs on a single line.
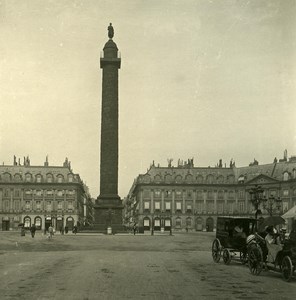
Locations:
{"points": [[272, 172], [38, 170]]}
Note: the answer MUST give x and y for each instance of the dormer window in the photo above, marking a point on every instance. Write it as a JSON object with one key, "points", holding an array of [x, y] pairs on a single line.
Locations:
{"points": [[286, 176]]}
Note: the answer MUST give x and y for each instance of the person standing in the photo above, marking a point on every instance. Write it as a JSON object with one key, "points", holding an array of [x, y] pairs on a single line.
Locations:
{"points": [[66, 229], [33, 230], [50, 232], [74, 229]]}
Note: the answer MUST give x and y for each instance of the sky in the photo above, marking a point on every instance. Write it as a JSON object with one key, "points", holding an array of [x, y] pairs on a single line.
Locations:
{"points": [[199, 79]]}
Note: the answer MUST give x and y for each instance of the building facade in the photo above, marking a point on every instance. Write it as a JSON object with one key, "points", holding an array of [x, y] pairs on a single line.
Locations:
{"points": [[191, 198], [42, 195]]}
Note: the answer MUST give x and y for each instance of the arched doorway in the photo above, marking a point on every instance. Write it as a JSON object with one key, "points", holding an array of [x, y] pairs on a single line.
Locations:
{"points": [[157, 224], [70, 223], [188, 223], [210, 224], [5, 223], [146, 223], [60, 224], [47, 223], [199, 224], [167, 224], [27, 222], [38, 223]]}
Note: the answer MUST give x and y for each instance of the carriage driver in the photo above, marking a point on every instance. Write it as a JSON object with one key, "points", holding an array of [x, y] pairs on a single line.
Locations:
{"points": [[272, 243]]}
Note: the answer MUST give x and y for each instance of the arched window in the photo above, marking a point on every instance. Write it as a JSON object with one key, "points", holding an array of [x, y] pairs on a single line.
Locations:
{"points": [[178, 223], [6, 177], [199, 224], [147, 178], [189, 178], [157, 178], [189, 222], [178, 179], [286, 176], [18, 177], [60, 178], [38, 178], [210, 179], [70, 223], [28, 177], [38, 223], [70, 177], [27, 222], [220, 179], [146, 223], [157, 224], [49, 178], [168, 178], [199, 179]]}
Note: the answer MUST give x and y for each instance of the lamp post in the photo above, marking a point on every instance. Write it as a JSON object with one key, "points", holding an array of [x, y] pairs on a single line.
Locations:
{"points": [[256, 194], [271, 204]]}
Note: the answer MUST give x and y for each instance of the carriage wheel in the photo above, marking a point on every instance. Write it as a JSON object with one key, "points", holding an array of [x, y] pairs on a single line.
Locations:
{"points": [[226, 257], [216, 250], [287, 268], [255, 260]]}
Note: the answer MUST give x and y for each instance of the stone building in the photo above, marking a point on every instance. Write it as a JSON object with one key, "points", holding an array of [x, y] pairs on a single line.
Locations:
{"points": [[42, 195], [192, 197]]}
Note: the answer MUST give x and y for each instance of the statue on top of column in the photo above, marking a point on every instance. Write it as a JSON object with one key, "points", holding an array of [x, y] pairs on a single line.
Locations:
{"points": [[110, 31]]}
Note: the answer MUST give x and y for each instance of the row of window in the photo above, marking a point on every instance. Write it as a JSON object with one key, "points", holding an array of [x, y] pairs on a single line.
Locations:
{"points": [[209, 206], [168, 178], [167, 222], [17, 192], [200, 195], [28, 177], [38, 222], [38, 205]]}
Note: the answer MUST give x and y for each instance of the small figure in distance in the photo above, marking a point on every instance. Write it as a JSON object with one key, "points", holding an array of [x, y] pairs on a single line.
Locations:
{"points": [[74, 229], [33, 230], [50, 232]]}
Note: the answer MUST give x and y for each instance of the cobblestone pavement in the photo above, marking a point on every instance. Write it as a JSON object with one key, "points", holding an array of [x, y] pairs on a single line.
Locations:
{"points": [[85, 266]]}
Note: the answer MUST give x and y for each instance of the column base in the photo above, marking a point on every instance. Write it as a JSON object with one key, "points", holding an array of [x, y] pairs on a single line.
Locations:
{"points": [[108, 213]]}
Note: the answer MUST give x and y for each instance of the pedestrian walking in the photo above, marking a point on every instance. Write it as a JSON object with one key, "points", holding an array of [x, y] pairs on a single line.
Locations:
{"points": [[135, 228], [74, 229], [33, 230], [50, 232], [66, 229]]}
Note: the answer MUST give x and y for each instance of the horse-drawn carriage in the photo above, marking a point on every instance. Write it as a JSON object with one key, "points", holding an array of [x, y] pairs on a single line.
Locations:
{"points": [[259, 255], [230, 241]]}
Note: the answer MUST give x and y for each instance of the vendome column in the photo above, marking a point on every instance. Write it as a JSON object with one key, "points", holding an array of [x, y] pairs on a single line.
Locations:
{"points": [[108, 206]]}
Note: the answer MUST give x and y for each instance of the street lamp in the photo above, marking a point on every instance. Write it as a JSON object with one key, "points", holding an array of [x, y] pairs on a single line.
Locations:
{"points": [[256, 194], [271, 204]]}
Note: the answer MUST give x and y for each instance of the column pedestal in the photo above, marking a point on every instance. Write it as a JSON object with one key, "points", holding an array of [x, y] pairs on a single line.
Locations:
{"points": [[108, 213]]}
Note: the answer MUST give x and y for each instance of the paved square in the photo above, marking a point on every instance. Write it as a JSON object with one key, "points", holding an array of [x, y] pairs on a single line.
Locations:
{"points": [[86, 266]]}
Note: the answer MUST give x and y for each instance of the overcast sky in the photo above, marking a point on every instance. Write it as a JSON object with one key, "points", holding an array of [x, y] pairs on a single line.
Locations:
{"points": [[201, 79]]}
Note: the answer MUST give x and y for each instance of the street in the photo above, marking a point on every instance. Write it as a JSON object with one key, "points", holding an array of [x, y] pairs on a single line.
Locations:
{"points": [[92, 266]]}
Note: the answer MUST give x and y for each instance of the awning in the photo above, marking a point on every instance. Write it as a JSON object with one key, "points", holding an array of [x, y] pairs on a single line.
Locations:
{"points": [[291, 213]]}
